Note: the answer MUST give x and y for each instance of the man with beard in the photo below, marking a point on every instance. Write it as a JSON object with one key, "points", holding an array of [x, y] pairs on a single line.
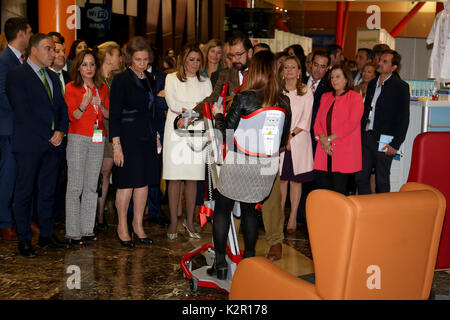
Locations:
{"points": [[241, 51]]}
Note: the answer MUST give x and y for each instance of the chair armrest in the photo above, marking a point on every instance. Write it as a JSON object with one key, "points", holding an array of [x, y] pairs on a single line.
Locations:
{"points": [[259, 279]]}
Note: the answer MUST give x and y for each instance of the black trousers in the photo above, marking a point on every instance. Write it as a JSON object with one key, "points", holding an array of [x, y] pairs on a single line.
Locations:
{"points": [[335, 181], [35, 170], [372, 158], [221, 225]]}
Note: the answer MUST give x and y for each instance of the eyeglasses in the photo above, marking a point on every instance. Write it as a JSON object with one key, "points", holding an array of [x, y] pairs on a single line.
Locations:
{"points": [[237, 55], [321, 66]]}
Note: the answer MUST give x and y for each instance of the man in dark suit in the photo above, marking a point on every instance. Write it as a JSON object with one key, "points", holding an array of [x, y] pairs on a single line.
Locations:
{"points": [[363, 56], [57, 66], [18, 33], [386, 111], [319, 84], [40, 122], [159, 119]]}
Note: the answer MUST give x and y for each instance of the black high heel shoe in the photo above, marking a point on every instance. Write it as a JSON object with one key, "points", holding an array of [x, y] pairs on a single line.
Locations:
{"points": [[145, 240], [127, 244]]}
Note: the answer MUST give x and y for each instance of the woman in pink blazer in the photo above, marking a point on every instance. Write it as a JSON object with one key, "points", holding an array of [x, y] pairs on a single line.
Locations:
{"points": [[296, 162], [338, 130]]}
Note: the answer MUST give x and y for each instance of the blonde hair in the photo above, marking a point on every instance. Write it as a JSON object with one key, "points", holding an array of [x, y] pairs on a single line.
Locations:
{"points": [[211, 44], [300, 86], [182, 57], [106, 48]]}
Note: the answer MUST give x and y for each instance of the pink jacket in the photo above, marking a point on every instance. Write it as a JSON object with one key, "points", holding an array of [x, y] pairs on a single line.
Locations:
{"points": [[301, 146], [346, 124]]}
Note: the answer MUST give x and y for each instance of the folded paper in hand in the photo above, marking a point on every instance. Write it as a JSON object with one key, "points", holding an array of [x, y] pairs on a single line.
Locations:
{"points": [[386, 139]]}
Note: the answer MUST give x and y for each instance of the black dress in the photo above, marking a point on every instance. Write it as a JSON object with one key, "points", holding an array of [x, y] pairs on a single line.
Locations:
{"points": [[131, 109]]}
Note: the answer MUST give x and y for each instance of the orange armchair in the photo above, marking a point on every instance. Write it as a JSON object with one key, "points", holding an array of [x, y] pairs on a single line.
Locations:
{"points": [[378, 246]]}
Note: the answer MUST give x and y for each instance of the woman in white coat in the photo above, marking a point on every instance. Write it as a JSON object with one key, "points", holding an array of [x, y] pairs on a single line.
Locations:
{"points": [[184, 89]]}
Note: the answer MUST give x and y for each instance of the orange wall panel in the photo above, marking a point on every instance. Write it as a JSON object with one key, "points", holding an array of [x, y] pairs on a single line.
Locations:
{"points": [[54, 16]]}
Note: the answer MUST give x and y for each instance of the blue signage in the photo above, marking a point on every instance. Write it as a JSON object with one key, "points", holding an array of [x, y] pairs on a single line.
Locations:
{"points": [[98, 16]]}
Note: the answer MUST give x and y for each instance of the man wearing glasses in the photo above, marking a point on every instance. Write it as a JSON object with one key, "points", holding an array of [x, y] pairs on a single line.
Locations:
{"points": [[241, 51]]}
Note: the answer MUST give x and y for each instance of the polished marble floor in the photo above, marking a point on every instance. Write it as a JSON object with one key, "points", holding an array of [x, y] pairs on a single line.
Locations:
{"points": [[109, 271]]}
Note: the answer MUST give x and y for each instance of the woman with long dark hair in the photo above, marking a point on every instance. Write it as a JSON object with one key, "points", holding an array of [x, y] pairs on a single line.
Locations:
{"points": [[88, 103], [244, 178], [76, 47]]}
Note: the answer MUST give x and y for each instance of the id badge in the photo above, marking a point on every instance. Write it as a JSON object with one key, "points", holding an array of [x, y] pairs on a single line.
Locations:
{"points": [[98, 136]]}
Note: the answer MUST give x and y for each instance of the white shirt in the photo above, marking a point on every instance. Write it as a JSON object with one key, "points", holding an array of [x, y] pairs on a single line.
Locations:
{"points": [[241, 77], [358, 78], [61, 78], [310, 81], [17, 53]]}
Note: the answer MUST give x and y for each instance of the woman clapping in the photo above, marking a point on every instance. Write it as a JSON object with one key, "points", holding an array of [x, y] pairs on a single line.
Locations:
{"points": [[87, 100]]}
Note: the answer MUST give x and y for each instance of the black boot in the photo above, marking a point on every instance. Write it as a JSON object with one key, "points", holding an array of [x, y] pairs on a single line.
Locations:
{"points": [[219, 269]]}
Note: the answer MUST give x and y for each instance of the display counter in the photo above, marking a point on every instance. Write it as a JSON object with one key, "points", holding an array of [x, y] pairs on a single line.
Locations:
{"points": [[424, 116]]}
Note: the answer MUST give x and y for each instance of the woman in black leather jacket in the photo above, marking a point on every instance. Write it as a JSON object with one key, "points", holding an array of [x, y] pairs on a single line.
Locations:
{"points": [[243, 178]]}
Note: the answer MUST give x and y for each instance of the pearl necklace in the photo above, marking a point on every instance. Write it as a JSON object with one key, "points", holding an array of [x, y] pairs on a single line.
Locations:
{"points": [[141, 76]]}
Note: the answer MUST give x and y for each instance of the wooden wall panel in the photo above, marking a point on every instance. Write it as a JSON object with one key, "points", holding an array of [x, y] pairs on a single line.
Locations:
{"points": [[204, 21], [167, 25], [180, 22], [152, 20], [190, 22], [218, 8]]}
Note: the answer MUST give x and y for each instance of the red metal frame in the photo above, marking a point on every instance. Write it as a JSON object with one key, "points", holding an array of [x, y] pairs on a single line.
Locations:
{"points": [[201, 283], [399, 27], [344, 31]]}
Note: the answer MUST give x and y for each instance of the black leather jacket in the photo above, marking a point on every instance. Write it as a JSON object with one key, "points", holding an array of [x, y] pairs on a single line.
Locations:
{"points": [[245, 103]]}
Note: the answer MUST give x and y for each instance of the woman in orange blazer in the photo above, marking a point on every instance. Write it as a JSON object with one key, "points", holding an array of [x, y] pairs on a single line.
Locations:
{"points": [[338, 130], [88, 102]]}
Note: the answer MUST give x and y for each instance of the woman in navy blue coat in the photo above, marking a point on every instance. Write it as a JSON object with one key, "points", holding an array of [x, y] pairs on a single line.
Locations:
{"points": [[134, 138]]}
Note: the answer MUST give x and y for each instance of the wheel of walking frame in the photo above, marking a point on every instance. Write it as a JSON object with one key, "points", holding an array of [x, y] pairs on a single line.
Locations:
{"points": [[189, 266], [193, 284]]}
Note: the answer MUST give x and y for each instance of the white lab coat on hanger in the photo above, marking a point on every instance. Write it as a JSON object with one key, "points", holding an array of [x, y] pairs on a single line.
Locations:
{"points": [[439, 66]]}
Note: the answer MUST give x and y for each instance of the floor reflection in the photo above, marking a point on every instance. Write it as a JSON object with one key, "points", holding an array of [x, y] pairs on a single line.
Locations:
{"points": [[106, 270]]}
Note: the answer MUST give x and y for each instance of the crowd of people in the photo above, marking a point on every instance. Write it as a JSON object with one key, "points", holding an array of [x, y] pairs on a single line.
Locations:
{"points": [[68, 124]]}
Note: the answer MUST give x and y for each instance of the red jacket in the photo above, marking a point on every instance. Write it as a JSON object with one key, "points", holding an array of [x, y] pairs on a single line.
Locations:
{"points": [[346, 124]]}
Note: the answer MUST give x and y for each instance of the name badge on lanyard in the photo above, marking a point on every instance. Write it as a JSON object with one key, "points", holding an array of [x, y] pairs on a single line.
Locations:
{"points": [[97, 137]]}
